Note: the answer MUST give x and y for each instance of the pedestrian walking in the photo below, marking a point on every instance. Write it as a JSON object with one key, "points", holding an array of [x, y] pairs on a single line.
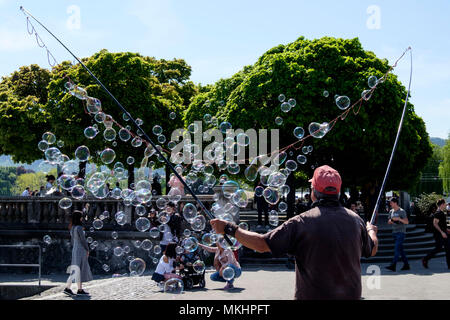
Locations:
{"points": [[327, 242], [441, 234], [79, 270]]}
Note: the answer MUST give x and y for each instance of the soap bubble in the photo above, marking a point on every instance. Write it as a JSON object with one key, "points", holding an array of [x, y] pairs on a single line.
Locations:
{"points": [[243, 140], [235, 245], [100, 117], [146, 245], [114, 235], [281, 98], [162, 138], [302, 159], [198, 223], [137, 266], [65, 203], [79, 92], [43, 145], [207, 118], [142, 224], [282, 206], [228, 273], [82, 153], [106, 268], [130, 160], [292, 102], [199, 266], [279, 121], [140, 210], [154, 233], [191, 244], [136, 142], [259, 191], [47, 239], [299, 132], [108, 156], [224, 127], [49, 137], [157, 130], [207, 239], [286, 107], [373, 81], [271, 195], [90, 132], [109, 134], [157, 249], [229, 188], [318, 130], [78, 192], [124, 135], [174, 286], [93, 105], [189, 212], [52, 155], [172, 115], [285, 190], [343, 102], [97, 224], [118, 251], [244, 226], [187, 233], [366, 95], [240, 199], [326, 94], [291, 165]]}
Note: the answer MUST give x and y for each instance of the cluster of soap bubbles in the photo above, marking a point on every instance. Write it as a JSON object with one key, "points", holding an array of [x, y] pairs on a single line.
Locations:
{"points": [[271, 171]]}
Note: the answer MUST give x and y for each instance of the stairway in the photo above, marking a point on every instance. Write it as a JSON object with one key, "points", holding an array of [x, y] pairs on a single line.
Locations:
{"points": [[417, 243]]}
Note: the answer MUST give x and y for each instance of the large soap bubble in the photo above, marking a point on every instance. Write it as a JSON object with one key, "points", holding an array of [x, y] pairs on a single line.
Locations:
{"points": [[137, 266], [174, 286], [228, 273]]}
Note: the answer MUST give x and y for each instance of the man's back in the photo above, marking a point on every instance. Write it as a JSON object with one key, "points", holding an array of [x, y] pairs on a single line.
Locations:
{"points": [[327, 242]]}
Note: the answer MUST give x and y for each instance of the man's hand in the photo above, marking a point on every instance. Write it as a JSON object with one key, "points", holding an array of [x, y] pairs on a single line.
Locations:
{"points": [[444, 235], [372, 227], [218, 226]]}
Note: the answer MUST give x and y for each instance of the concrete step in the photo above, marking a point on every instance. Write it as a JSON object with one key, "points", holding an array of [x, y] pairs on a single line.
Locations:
{"points": [[388, 259]]}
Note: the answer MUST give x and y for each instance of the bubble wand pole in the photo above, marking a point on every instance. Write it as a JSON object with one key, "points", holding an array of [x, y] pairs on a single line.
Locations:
{"points": [[375, 210], [167, 162]]}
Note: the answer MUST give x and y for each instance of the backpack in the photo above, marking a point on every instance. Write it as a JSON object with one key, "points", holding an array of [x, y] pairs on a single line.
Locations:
{"points": [[429, 226]]}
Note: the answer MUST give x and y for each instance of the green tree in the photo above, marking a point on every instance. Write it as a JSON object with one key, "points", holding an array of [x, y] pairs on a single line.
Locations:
{"points": [[32, 180], [23, 96], [360, 146], [7, 180], [429, 177], [444, 168], [150, 89]]}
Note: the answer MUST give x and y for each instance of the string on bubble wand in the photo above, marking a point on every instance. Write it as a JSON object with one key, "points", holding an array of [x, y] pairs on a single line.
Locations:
{"points": [[375, 210], [160, 154]]}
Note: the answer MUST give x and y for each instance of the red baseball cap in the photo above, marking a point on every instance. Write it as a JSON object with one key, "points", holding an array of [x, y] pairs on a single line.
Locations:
{"points": [[326, 180]]}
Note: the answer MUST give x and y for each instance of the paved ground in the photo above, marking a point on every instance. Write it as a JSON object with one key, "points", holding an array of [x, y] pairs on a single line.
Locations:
{"points": [[274, 283]]}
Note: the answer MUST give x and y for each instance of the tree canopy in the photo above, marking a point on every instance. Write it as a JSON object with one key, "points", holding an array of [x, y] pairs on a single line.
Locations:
{"points": [[444, 167], [358, 147]]}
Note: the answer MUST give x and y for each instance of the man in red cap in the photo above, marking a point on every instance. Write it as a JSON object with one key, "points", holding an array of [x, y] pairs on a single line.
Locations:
{"points": [[327, 242]]}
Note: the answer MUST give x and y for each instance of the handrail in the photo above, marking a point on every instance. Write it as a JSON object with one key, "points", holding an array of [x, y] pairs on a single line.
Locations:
{"points": [[23, 264]]}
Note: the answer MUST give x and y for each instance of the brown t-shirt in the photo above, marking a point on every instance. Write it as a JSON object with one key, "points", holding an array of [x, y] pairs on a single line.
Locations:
{"points": [[328, 243]]}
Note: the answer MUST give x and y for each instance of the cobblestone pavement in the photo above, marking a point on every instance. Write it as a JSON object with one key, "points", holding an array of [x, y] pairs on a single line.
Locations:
{"points": [[271, 283]]}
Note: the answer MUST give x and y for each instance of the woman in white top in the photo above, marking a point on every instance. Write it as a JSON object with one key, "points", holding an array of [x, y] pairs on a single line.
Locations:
{"points": [[223, 258], [164, 269]]}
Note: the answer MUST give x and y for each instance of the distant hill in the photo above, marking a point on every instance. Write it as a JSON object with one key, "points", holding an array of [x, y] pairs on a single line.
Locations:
{"points": [[6, 161], [438, 141]]}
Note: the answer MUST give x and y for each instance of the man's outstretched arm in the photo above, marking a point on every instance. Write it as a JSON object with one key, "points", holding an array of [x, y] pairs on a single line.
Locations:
{"points": [[251, 240]]}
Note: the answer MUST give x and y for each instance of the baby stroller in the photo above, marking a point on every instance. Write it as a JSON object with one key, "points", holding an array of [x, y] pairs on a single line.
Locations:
{"points": [[190, 277]]}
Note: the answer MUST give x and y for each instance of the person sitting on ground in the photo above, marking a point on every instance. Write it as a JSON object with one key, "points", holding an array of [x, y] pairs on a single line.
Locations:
{"points": [[223, 258], [165, 269]]}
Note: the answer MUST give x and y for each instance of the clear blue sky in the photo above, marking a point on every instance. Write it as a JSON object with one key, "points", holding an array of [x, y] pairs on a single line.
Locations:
{"points": [[218, 38]]}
